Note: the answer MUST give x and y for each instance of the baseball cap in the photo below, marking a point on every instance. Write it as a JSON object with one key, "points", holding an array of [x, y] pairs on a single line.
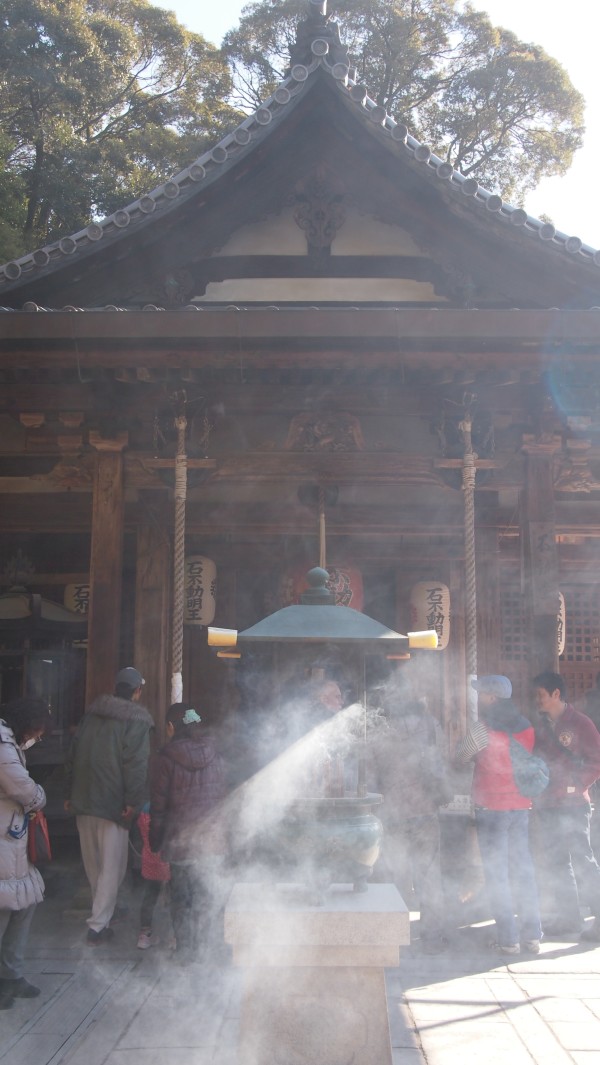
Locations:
{"points": [[130, 676], [493, 684]]}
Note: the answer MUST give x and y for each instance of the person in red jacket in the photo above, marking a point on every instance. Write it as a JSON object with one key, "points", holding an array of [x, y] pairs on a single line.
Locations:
{"points": [[570, 744], [188, 782], [502, 815]]}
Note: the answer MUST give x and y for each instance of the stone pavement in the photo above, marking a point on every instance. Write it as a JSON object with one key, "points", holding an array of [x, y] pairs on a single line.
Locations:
{"points": [[116, 1005]]}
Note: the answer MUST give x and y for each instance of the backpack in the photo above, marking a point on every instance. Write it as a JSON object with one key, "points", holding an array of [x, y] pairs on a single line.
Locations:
{"points": [[529, 770]]}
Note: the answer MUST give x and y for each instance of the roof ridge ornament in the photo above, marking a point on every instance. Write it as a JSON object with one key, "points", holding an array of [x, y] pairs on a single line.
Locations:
{"points": [[317, 25]]}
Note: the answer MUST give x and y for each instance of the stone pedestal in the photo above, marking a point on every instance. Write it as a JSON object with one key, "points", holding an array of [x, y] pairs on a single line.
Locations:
{"points": [[314, 991]]}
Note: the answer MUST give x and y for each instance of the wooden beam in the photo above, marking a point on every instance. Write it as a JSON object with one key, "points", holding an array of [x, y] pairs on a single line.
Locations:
{"points": [[410, 328], [343, 467], [43, 580], [106, 564]]}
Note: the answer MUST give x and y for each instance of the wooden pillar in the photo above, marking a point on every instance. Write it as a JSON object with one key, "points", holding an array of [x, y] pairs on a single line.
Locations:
{"points": [[488, 601], [106, 565], [539, 553], [152, 617]]}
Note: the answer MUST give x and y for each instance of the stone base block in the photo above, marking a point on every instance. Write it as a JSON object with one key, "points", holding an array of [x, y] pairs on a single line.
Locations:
{"points": [[314, 1016], [314, 991]]}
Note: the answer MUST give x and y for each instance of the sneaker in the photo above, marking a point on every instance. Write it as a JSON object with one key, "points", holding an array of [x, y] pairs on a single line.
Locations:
{"points": [[21, 988], [146, 939], [508, 948], [532, 946], [96, 938]]}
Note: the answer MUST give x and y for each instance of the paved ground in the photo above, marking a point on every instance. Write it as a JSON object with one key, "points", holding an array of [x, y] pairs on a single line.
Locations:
{"points": [[116, 1005]]}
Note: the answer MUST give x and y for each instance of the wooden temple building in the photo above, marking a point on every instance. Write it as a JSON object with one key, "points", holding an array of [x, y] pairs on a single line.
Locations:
{"points": [[342, 317]]}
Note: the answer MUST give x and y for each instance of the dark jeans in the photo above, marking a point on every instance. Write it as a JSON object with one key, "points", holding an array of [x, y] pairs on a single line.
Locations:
{"points": [[567, 866], [149, 900], [411, 855], [503, 837], [190, 905]]}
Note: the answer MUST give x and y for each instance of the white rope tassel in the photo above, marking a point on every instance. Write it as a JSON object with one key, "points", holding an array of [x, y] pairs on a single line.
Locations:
{"points": [[176, 688], [181, 477], [179, 561]]}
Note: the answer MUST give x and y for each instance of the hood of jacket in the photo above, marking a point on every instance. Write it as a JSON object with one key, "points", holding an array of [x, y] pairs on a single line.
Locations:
{"points": [[111, 706], [191, 752]]}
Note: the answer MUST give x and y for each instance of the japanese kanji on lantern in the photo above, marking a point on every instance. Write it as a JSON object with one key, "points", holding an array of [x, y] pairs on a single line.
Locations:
{"points": [[345, 581], [200, 590], [430, 609], [77, 597], [560, 624]]}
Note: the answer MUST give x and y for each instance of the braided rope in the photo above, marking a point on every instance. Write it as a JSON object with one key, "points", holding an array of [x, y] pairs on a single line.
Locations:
{"points": [[179, 561], [469, 473]]}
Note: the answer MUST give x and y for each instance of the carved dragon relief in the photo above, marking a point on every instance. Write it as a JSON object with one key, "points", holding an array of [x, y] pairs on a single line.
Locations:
{"points": [[325, 431], [319, 209]]}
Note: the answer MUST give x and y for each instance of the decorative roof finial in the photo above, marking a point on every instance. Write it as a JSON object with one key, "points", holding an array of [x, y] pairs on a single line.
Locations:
{"points": [[317, 25]]}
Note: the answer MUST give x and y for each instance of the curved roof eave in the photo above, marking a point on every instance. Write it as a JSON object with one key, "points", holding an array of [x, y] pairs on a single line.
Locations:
{"points": [[242, 141]]}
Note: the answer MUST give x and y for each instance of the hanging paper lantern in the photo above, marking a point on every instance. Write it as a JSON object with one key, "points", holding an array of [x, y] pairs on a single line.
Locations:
{"points": [[200, 590], [347, 585], [430, 609], [561, 622], [345, 582], [77, 598]]}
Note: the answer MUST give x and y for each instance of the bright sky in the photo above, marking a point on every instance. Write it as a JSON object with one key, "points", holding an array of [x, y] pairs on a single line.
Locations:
{"points": [[568, 33]]}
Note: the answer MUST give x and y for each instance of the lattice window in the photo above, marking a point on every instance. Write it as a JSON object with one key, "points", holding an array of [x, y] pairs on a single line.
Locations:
{"points": [[580, 661], [582, 624], [512, 622]]}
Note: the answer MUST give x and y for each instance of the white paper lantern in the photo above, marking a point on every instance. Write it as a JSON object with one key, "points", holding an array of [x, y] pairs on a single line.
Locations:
{"points": [[77, 597], [200, 590], [430, 609], [561, 623]]}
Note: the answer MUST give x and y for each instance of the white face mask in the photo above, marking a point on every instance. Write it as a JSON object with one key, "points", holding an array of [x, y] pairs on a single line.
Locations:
{"points": [[29, 743]]}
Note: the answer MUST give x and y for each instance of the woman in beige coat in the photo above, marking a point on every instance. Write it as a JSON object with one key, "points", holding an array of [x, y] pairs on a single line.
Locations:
{"points": [[22, 722]]}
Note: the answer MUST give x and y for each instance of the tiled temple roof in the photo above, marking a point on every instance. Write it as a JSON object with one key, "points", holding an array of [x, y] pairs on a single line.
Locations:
{"points": [[319, 48]]}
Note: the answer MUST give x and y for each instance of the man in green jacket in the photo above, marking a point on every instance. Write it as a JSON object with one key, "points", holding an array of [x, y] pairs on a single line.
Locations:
{"points": [[107, 771]]}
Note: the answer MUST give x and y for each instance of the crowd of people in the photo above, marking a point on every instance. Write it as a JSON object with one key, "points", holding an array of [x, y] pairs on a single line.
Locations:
{"points": [[531, 804], [173, 797]]}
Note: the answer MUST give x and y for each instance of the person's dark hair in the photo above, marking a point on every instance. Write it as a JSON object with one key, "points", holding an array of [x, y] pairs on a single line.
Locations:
{"points": [[124, 691], [24, 716], [176, 714], [550, 682]]}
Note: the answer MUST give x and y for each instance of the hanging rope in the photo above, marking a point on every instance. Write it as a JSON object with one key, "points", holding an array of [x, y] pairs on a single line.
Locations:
{"points": [[322, 538], [179, 556], [469, 472]]}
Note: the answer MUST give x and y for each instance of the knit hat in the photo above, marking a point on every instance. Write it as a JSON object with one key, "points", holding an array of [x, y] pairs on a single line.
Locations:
{"points": [[493, 684]]}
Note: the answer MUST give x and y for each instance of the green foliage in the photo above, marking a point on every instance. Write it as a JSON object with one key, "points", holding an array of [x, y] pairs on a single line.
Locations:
{"points": [[99, 100], [495, 107]]}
